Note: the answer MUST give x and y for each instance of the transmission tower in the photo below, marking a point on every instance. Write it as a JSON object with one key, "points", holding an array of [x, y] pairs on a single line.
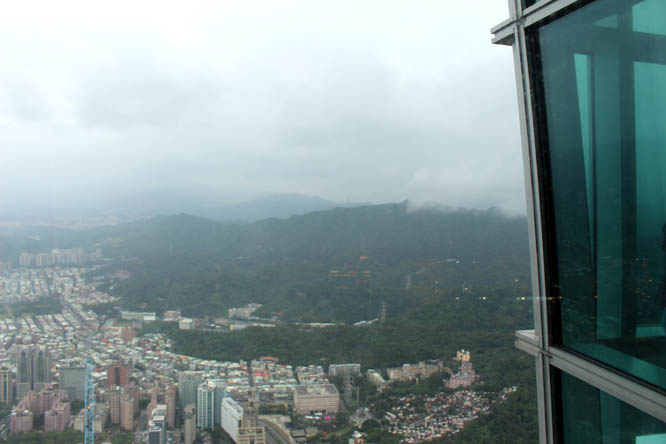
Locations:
{"points": [[348, 389], [383, 312], [89, 406], [351, 392]]}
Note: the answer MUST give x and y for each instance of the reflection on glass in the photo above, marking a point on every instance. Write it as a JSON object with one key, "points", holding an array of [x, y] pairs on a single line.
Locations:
{"points": [[591, 416], [659, 438], [530, 2], [604, 82]]}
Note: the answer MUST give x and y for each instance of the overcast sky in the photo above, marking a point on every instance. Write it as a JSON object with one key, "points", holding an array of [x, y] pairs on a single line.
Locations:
{"points": [[371, 101]]}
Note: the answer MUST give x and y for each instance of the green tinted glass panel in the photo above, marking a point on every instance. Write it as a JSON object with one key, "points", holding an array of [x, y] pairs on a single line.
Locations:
{"points": [[651, 439], [604, 83], [591, 416], [648, 17]]}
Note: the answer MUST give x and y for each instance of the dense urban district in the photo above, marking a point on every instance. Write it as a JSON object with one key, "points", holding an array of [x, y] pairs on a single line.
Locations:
{"points": [[180, 330], [142, 388]]}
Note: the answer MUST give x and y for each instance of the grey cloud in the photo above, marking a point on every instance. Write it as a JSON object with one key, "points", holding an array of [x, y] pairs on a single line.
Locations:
{"points": [[374, 103], [23, 99], [136, 89]]}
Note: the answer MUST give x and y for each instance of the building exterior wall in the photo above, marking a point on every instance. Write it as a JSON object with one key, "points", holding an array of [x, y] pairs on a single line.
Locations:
{"points": [[20, 421], [166, 395], [590, 77], [188, 383], [72, 380], [57, 419], [232, 414], [128, 408], [117, 376], [33, 369], [127, 413], [6, 385], [157, 432], [205, 407], [114, 405], [324, 398], [344, 369], [190, 426], [51, 421]]}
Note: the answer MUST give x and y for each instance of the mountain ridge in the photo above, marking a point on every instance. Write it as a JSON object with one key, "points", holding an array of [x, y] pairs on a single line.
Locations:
{"points": [[331, 265]]}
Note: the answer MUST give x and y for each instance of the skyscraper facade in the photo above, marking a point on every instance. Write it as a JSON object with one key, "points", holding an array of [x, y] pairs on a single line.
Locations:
{"points": [[113, 397], [188, 383], [72, 379], [210, 395], [157, 426], [232, 415], [117, 376], [190, 426], [591, 78], [127, 409], [165, 394], [33, 369], [205, 406], [6, 388]]}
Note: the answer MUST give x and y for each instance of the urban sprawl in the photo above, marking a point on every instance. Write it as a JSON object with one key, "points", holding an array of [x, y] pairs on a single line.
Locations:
{"points": [[140, 386]]}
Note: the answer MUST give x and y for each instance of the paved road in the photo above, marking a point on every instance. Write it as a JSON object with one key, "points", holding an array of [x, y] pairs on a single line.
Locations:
{"points": [[272, 435]]}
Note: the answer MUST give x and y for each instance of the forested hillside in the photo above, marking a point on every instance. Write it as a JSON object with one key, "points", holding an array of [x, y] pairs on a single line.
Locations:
{"points": [[335, 265], [451, 279]]}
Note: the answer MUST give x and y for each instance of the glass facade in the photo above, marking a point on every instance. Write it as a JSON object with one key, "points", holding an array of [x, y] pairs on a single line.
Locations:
{"points": [[603, 71], [593, 115], [591, 416]]}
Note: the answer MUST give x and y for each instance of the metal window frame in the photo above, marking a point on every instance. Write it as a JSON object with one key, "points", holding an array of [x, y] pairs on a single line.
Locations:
{"points": [[611, 382], [525, 17], [537, 342]]}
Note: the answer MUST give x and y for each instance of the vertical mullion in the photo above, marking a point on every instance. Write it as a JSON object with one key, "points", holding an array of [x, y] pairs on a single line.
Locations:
{"points": [[534, 206], [628, 172]]}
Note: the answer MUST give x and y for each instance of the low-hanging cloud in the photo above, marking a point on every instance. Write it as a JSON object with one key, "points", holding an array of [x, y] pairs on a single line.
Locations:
{"points": [[362, 102]]}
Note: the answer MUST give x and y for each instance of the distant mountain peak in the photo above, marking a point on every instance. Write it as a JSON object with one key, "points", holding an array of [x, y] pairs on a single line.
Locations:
{"points": [[279, 206]]}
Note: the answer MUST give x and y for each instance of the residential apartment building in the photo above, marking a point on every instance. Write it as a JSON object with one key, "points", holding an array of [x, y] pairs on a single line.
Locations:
{"points": [[58, 417], [190, 424], [205, 400], [344, 369], [165, 394], [188, 383], [157, 426], [210, 396], [20, 421], [113, 398], [117, 376], [128, 409]]}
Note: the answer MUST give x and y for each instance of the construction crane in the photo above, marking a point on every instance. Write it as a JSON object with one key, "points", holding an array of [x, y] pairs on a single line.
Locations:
{"points": [[89, 406]]}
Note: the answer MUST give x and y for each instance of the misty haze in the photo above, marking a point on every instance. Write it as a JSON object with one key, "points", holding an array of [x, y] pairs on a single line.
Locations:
{"points": [[189, 109], [261, 222]]}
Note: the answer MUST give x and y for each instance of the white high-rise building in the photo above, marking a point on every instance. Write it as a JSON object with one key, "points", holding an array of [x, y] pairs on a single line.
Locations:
{"points": [[157, 427], [232, 414], [205, 406]]}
